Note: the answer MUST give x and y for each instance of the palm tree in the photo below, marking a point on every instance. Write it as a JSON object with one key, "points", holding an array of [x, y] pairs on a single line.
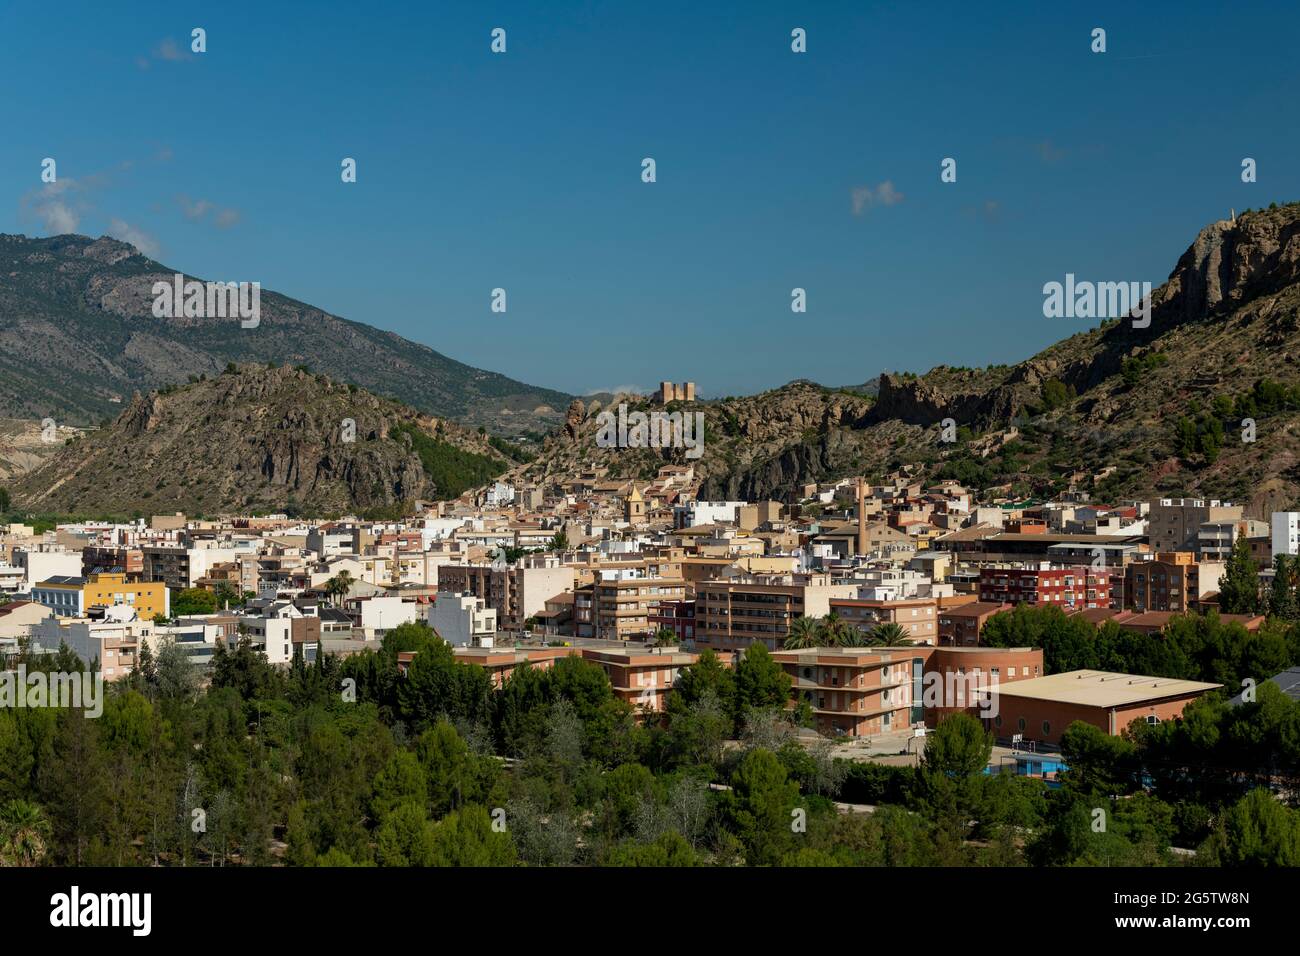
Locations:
{"points": [[890, 634], [855, 637], [226, 594], [804, 633], [664, 638], [339, 585], [834, 630], [24, 829]]}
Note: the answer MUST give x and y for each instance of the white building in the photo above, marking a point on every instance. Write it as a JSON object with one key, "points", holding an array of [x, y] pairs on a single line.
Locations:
{"points": [[500, 494], [194, 636], [273, 636], [695, 513], [463, 620], [12, 579], [42, 563], [379, 615], [113, 642], [1286, 532]]}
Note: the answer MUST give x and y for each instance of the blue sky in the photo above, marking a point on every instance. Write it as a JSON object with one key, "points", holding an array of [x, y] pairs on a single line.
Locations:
{"points": [[522, 170]]}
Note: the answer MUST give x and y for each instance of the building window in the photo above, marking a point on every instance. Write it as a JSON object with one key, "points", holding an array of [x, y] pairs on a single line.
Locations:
{"points": [[1047, 728], [997, 721], [1020, 725]]}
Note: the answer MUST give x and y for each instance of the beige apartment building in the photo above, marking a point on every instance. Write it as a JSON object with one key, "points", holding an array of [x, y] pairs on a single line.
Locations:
{"points": [[731, 614], [917, 616], [1174, 524], [516, 593], [1173, 581], [618, 605], [114, 645]]}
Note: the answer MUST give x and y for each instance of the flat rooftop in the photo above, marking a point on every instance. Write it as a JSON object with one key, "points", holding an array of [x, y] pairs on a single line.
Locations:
{"points": [[1102, 688]]}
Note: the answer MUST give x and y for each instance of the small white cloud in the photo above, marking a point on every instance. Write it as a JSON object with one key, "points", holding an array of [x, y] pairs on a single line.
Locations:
{"points": [[57, 218], [193, 210], [884, 194], [171, 51], [136, 237], [55, 205], [199, 210]]}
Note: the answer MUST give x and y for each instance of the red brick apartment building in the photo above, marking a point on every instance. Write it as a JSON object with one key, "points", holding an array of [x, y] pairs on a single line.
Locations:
{"points": [[857, 692], [1079, 586]]}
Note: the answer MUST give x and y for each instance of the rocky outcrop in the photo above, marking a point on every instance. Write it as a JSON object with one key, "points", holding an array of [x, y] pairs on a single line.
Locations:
{"points": [[1231, 263], [573, 419], [253, 439], [1228, 317]]}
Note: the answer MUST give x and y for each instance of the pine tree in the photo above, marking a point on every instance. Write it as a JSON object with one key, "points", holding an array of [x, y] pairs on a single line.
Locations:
{"points": [[1239, 586], [145, 676], [1282, 596]]}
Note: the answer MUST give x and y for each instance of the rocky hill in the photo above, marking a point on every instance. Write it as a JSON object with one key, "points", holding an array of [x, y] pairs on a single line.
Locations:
{"points": [[259, 439], [1115, 410], [78, 337], [25, 445]]}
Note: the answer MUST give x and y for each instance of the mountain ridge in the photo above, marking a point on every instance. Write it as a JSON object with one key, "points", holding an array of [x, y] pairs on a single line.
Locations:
{"points": [[78, 337], [1113, 410]]}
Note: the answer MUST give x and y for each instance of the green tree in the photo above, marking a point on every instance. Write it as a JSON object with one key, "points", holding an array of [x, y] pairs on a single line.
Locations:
{"points": [[669, 849], [759, 807], [467, 837], [890, 634], [833, 630], [665, 637], [1256, 831], [175, 675], [761, 682], [339, 585], [1282, 593], [1099, 763], [958, 747], [194, 601], [454, 776], [1239, 586], [226, 594], [406, 838]]}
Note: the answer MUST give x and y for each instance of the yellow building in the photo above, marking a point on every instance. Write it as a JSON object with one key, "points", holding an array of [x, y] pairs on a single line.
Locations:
{"points": [[75, 597]]}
